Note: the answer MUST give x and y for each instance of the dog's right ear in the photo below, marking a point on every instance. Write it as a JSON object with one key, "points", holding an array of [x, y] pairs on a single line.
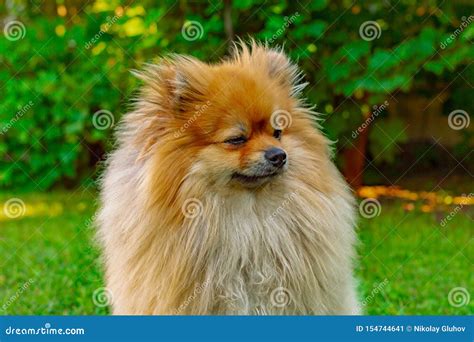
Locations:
{"points": [[176, 84]]}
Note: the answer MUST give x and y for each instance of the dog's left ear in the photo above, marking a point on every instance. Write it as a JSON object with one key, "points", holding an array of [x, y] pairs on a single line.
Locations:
{"points": [[281, 68], [175, 84], [187, 85]]}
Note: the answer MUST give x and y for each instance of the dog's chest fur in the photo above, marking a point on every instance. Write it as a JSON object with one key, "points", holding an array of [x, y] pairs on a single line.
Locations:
{"points": [[268, 254]]}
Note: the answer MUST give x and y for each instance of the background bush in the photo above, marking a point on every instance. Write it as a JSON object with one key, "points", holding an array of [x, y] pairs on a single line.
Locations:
{"points": [[73, 59]]}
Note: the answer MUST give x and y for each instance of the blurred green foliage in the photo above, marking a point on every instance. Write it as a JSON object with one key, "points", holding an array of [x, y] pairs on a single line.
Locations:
{"points": [[75, 56]]}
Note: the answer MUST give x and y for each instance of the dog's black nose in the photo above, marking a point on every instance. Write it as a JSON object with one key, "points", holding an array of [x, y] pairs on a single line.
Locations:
{"points": [[276, 156]]}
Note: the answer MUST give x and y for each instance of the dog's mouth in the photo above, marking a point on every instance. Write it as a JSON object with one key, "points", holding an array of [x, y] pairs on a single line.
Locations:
{"points": [[253, 180]]}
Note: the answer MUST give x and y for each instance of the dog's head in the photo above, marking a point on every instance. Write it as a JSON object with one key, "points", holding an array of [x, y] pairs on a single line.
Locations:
{"points": [[239, 123]]}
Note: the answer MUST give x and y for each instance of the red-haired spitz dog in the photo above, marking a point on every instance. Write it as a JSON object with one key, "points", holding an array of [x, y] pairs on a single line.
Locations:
{"points": [[221, 197]]}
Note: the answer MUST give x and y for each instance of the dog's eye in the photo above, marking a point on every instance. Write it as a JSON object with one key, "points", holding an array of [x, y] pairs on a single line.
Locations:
{"points": [[277, 134], [236, 141]]}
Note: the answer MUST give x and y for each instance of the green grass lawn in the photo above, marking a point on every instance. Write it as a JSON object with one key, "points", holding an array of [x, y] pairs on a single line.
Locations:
{"points": [[408, 262]]}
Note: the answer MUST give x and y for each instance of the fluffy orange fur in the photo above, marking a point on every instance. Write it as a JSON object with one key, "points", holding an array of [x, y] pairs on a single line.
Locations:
{"points": [[183, 235]]}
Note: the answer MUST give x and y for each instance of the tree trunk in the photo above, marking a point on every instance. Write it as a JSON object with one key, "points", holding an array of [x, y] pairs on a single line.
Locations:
{"points": [[229, 28], [355, 157]]}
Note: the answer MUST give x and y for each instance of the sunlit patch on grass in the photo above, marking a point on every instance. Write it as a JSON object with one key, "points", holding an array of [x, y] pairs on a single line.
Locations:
{"points": [[430, 201], [38, 209]]}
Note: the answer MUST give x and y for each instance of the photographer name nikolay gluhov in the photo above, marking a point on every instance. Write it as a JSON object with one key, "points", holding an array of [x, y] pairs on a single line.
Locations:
{"points": [[420, 328], [438, 329]]}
